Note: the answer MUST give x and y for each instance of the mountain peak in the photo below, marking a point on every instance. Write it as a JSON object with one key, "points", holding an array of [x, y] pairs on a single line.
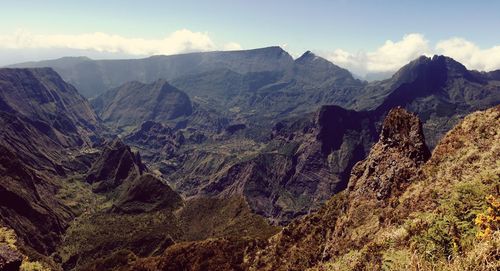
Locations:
{"points": [[437, 66], [116, 164], [308, 55]]}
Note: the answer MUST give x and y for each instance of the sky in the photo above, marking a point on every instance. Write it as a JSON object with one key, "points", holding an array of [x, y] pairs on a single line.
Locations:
{"points": [[374, 36]]}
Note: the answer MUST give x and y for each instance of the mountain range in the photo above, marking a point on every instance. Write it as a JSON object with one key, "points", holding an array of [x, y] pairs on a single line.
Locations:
{"points": [[162, 161]]}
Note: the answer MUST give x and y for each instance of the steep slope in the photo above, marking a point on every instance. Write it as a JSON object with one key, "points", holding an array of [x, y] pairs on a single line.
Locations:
{"points": [[134, 102], [42, 96], [400, 213], [27, 204], [44, 123], [93, 77]]}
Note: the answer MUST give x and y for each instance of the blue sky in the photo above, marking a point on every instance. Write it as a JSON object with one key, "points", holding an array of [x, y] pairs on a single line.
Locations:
{"points": [[319, 25]]}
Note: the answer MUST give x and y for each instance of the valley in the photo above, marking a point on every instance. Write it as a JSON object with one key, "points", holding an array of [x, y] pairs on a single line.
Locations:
{"points": [[248, 160]]}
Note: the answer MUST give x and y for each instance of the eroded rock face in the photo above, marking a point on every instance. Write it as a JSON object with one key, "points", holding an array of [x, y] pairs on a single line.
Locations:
{"points": [[42, 96]]}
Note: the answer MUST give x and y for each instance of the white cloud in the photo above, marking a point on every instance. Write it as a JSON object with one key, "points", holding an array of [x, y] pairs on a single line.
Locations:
{"points": [[392, 55], [470, 54], [231, 46], [177, 42], [388, 57]]}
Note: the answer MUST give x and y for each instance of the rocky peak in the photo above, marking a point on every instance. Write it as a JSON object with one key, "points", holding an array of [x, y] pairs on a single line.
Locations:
{"points": [[271, 51], [312, 59], [403, 130], [116, 165], [437, 68], [311, 69], [306, 56], [145, 194], [393, 160]]}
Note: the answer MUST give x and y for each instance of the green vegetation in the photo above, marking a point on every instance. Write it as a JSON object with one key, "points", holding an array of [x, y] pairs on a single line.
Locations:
{"points": [[33, 266], [9, 238], [450, 230]]}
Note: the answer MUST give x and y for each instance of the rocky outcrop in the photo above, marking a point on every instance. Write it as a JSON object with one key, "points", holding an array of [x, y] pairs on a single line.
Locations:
{"points": [[147, 194], [117, 164], [394, 160], [391, 166]]}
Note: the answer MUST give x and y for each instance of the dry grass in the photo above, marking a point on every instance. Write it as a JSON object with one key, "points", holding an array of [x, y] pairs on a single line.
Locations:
{"points": [[435, 224]]}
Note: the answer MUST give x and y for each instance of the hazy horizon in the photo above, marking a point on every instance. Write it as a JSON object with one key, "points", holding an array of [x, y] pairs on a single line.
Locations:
{"points": [[361, 36]]}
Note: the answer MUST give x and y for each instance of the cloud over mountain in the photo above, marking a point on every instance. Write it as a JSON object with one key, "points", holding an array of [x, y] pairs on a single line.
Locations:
{"points": [[470, 54], [180, 41], [394, 54]]}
